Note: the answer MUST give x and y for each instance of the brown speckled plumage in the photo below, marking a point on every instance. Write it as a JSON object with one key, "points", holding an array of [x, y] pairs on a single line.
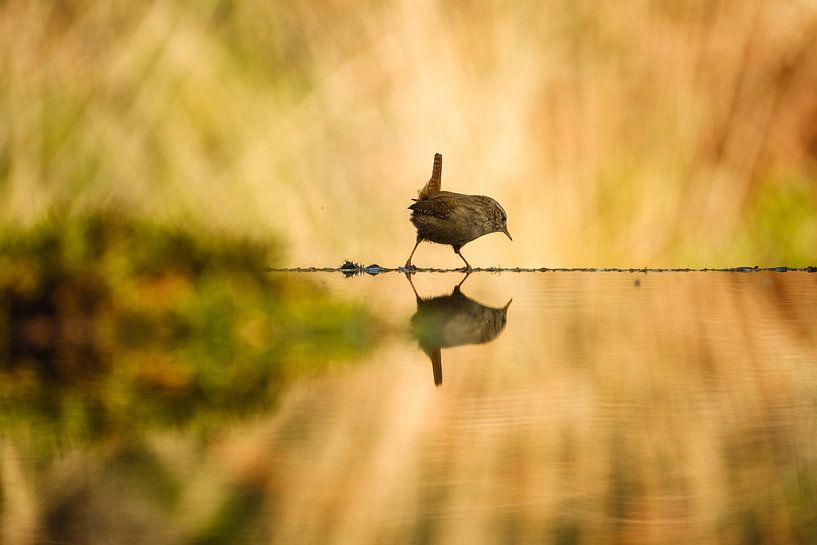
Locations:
{"points": [[453, 218]]}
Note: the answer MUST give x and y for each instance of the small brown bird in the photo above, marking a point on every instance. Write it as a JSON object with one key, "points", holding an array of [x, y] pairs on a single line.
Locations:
{"points": [[453, 218]]}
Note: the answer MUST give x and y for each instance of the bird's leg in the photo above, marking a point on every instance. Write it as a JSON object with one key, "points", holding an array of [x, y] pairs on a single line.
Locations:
{"points": [[408, 263], [408, 276], [457, 251], [464, 278]]}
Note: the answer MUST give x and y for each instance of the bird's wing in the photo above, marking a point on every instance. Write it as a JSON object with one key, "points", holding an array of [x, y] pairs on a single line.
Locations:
{"points": [[438, 208]]}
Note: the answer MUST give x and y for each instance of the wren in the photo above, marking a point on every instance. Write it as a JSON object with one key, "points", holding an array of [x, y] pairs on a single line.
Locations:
{"points": [[451, 218]]}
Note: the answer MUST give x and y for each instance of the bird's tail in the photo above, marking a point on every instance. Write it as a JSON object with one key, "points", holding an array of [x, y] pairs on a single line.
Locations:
{"points": [[433, 186], [436, 366]]}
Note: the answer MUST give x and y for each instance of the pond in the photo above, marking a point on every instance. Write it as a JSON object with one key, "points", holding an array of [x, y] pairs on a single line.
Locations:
{"points": [[561, 407]]}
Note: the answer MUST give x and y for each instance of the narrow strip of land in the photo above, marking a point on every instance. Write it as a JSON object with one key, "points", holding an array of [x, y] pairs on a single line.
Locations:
{"points": [[353, 269]]}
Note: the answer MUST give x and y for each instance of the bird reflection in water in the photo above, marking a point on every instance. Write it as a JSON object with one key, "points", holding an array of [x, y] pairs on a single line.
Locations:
{"points": [[453, 320]]}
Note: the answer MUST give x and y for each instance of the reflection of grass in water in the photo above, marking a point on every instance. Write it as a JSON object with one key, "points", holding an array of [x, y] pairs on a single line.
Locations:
{"points": [[113, 324], [680, 410]]}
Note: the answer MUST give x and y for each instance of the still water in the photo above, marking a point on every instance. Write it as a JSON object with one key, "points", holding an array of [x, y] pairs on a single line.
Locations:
{"points": [[559, 408]]}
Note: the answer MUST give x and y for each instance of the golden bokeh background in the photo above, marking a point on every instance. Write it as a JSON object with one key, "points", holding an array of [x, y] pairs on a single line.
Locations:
{"points": [[157, 383], [624, 133]]}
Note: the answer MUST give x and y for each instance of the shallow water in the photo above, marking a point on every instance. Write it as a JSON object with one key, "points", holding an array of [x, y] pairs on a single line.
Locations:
{"points": [[509, 408]]}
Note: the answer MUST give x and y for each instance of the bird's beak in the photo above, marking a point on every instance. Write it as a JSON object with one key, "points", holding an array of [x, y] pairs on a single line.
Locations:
{"points": [[505, 308], [505, 230]]}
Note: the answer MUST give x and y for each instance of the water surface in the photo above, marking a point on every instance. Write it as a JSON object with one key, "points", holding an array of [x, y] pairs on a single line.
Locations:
{"points": [[556, 408]]}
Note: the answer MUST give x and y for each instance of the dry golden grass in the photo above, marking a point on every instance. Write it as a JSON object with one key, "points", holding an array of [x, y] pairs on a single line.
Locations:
{"points": [[623, 133]]}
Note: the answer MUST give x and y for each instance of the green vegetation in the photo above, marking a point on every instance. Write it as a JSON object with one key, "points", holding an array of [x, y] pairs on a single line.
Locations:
{"points": [[110, 325]]}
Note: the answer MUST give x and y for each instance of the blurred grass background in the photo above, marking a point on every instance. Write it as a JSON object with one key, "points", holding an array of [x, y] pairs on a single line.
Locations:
{"points": [[626, 133], [155, 156]]}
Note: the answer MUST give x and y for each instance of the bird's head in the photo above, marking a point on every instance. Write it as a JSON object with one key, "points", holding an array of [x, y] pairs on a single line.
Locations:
{"points": [[498, 217]]}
